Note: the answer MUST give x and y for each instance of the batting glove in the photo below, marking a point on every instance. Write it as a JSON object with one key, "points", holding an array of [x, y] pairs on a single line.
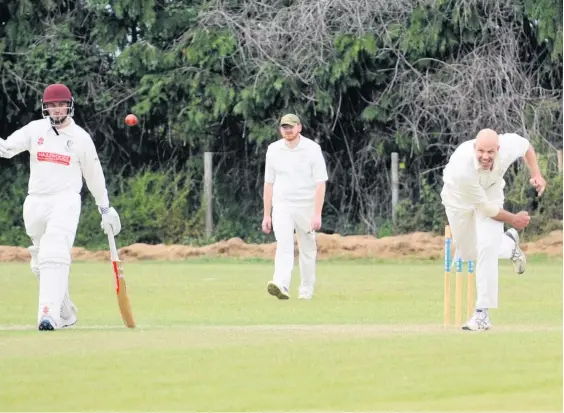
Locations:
{"points": [[110, 219]]}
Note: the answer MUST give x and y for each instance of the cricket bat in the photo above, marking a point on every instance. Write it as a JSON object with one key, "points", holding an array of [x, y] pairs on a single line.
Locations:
{"points": [[121, 289]]}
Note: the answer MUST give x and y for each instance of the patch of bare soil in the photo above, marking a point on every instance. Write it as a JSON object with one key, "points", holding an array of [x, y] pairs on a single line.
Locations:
{"points": [[416, 245]]}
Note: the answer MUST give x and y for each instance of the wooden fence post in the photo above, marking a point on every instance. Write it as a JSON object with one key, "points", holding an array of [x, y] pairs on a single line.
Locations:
{"points": [[208, 192]]}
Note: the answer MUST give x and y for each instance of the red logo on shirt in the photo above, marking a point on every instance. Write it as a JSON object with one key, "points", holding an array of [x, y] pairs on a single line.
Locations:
{"points": [[40, 141], [53, 158]]}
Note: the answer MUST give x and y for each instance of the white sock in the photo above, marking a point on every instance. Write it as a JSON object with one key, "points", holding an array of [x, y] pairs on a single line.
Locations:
{"points": [[507, 247]]}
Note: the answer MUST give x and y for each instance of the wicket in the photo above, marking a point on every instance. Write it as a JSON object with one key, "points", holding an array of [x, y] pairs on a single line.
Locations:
{"points": [[458, 285]]}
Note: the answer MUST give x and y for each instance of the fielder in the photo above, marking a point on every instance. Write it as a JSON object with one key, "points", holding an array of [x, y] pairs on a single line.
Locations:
{"points": [[294, 192], [61, 154], [473, 199]]}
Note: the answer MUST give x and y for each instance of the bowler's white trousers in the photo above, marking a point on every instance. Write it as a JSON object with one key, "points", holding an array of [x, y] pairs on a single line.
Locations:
{"points": [[51, 222], [481, 239], [286, 219]]}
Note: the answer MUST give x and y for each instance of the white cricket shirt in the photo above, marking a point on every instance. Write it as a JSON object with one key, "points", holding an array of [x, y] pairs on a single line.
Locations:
{"points": [[295, 172], [59, 162], [468, 186]]}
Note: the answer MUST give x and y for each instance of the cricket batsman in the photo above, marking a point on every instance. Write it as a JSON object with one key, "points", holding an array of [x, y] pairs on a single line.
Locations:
{"points": [[294, 193], [61, 154], [473, 198]]}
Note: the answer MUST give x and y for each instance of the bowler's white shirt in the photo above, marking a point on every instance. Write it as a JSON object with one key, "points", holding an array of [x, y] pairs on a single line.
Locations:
{"points": [[59, 162], [295, 172], [468, 186]]}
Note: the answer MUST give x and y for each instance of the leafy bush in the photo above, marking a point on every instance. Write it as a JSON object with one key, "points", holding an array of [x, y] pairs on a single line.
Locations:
{"points": [[166, 207], [12, 197], [425, 215], [153, 207]]}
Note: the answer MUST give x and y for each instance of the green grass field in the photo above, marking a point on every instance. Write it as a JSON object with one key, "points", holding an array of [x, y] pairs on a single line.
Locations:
{"points": [[209, 338]]}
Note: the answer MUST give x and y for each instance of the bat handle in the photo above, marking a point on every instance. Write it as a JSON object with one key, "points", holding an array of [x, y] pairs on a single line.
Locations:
{"points": [[112, 242]]}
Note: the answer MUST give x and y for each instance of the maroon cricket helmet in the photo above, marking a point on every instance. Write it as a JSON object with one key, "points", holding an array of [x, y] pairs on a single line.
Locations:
{"points": [[57, 92]]}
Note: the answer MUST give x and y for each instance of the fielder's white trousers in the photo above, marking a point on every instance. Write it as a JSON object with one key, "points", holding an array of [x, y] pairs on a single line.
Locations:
{"points": [[51, 222], [286, 219], [481, 239]]}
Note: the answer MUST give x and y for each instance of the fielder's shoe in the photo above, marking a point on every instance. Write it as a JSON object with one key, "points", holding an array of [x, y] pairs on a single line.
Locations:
{"points": [[68, 313], [279, 292], [479, 321], [517, 256], [34, 263], [306, 293], [47, 324]]}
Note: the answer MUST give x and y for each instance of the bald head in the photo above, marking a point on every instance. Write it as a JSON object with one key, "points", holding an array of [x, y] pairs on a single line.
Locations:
{"points": [[487, 137], [486, 147]]}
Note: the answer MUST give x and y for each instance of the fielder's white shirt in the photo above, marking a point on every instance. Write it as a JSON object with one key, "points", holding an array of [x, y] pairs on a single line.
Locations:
{"points": [[468, 186], [59, 162], [295, 172]]}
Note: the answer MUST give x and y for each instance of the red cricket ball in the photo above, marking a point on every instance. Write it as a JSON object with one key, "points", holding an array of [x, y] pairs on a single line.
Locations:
{"points": [[131, 120]]}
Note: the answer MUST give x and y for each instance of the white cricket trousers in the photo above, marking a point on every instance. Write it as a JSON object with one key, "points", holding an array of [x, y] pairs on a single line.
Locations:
{"points": [[51, 222], [286, 219], [481, 239]]}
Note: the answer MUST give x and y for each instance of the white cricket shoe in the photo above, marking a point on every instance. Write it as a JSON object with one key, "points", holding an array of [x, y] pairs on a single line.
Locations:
{"points": [[34, 263], [279, 292], [517, 256], [479, 321], [47, 324], [306, 293], [68, 312]]}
